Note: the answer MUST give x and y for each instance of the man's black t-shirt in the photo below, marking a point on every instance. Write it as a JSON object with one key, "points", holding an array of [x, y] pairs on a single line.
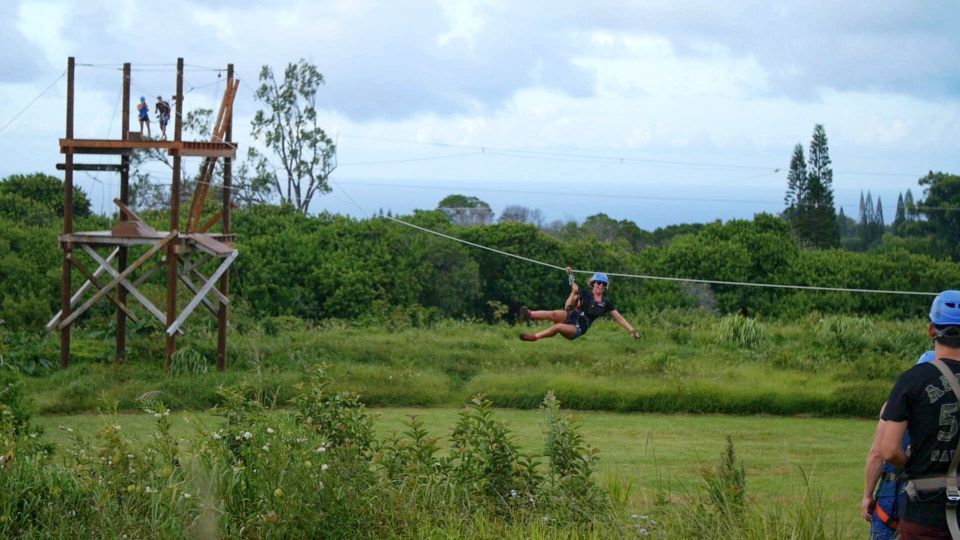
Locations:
{"points": [[592, 308], [923, 398]]}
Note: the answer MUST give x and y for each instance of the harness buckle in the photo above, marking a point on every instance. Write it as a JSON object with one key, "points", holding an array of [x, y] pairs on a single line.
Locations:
{"points": [[953, 495]]}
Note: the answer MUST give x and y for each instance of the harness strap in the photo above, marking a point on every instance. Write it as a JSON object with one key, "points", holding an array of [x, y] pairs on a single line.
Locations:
{"points": [[886, 518], [890, 477], [953, 492]]}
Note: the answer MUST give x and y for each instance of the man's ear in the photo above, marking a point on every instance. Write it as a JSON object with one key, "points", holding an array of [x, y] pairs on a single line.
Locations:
{"points": [[931, 330]]}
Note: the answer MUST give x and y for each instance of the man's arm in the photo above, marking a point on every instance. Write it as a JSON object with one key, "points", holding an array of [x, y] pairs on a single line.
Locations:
{"points": [[891, 443], [872, 471]]}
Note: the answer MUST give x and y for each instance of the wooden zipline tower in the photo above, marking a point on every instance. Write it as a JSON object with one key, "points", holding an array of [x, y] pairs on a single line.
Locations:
{"points": [[183, 251]]}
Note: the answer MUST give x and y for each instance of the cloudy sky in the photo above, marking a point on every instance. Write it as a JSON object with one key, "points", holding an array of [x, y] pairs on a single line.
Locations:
{"points": [[659, 112]]}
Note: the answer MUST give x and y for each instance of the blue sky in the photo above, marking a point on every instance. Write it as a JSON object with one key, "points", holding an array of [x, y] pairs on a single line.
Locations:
{"points": [[659, 112]]}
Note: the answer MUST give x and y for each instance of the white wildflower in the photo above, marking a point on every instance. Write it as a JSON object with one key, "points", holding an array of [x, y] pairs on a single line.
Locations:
{"points": [[117, 427], [247, 435], [270, 430], [324, 467], [216, 436]]}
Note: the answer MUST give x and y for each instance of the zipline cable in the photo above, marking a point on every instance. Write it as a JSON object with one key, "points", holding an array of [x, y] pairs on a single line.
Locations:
{"points": [[32, 102], [661, 278]]}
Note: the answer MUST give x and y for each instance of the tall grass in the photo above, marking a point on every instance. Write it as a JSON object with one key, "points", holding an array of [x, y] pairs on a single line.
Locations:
{"points": [[685, 361]]}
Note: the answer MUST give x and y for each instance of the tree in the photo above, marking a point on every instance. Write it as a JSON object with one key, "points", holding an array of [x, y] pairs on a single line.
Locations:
{"points": [[942, 208], [823, 232], [796, 179], [289, 129], [799, 209], [46, 190], [871, 224], [521, 214], [901, 215], [466, 211], [913, 214]]}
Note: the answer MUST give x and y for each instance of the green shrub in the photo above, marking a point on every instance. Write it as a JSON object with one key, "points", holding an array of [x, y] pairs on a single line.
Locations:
{"points": [[741, 331]]}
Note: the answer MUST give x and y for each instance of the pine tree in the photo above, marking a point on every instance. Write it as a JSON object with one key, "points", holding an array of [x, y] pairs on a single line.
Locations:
{"points": [[823, 232], [913, 213], [797, 198], [901, 215]]}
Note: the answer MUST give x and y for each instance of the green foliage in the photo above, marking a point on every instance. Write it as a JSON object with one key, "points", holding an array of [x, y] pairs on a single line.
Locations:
{"points": [[466, 211], [809, 197], [741, 331], [30, 354], [289, 129], [44, 190], [187, 361], [341, 417], [485, 458], [572, 460], [276, 474], [940, 207], [721, 509]]}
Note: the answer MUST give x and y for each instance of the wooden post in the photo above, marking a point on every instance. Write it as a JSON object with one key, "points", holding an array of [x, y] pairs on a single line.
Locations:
{"points": [[224, 284], [125, 199], [172, 255], [65, 292]]}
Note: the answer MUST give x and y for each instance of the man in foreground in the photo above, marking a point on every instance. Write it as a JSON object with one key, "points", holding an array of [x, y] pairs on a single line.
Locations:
{"points": [[924, 404]]}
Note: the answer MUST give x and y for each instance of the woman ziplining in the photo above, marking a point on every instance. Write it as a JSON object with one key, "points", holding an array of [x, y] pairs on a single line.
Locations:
{"points": [[581, 309]]}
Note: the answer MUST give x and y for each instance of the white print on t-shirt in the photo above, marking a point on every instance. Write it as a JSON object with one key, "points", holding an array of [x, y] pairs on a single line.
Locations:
{"points": [[935, 393], [945, 457]]}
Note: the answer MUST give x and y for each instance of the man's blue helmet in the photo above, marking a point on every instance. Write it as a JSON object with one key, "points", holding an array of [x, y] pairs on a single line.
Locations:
{"points": [[945, 309], [142, 98], [602, 278]]}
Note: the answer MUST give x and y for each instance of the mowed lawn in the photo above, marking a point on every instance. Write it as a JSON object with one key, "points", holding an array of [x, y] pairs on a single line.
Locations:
{"points": [[657, 455]]}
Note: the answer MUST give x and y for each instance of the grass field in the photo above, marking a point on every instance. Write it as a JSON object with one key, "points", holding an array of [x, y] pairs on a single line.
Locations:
{"points": [[798, 398], [657, 455], [685, 361]]}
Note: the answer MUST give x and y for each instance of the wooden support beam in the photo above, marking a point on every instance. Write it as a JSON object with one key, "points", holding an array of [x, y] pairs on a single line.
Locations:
{"points": [[126, 211], [116, 280], [154, 310], [196, 290], [92, 167], [52, 325], [111, 297], [146, 275], [202, 293], [213, 221], [220, 296]]}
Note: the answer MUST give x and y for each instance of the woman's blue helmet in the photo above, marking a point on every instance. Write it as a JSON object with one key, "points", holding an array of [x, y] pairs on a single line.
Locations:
{"points": [[602, 278], [945, 309], [142, 98]]}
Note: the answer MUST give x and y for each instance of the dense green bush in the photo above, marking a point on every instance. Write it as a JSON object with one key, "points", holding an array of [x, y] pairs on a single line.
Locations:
{"points": [[328, 266]]}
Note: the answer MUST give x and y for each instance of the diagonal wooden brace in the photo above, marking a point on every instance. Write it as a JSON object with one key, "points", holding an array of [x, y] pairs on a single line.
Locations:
{"points": [[130, 288], [202, 293], [96, 283], [52, 325], [117, 279]]}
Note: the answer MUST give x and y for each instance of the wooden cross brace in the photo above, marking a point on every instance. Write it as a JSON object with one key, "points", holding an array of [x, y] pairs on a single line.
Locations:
{"points": [[120, 278]]}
